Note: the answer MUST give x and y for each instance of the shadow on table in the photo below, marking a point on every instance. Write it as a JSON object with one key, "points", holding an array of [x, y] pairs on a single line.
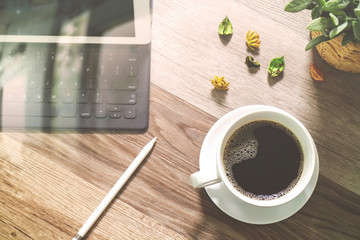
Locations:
{"points": [[334, 122], [217, 225], [273, 80], [314, 221], [225, 39], [213, 222], [219, 96]]}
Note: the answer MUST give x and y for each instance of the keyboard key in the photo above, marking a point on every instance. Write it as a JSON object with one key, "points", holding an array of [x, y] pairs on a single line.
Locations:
{"points": [[127, 83], [39, 96], [75, 83], [115, 114], [39, 54], [85, 111], [8, 96], [69, 111], [53, 97], [108, 56], [82, 55], [47, 83], [51, 54], [104, 84], [18, 83], [131, 69], [92, 54], [130, 112], [98, 98], [60, 84], [24, 97], [100, 112], [10, 54], [90, 83], [32, 110], [89, 71], [26, 55], [121, 97], [115, 111], [68, 97], [83, 97], [33, 83], [132, 57], [115, 108]]}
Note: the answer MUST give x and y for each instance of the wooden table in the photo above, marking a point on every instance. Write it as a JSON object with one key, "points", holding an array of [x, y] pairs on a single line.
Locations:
{"points": [[50, 183]]}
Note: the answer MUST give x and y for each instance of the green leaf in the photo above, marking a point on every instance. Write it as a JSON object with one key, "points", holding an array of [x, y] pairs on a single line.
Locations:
{"points": [[316, 12], [297, 5], [320, 23], [321, 2], [331, 5], [225, 27], [311, 5], [316, 41], [338, 30], [334, 19], [336, 5], [325, 33], [340, 13], [354, 4], [348, 37], [276, 66], [343, 4], [357, 12], [356, 30]]}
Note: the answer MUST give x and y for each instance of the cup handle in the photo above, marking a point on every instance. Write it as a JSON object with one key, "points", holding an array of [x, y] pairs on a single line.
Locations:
{"points": [[203, 179]]}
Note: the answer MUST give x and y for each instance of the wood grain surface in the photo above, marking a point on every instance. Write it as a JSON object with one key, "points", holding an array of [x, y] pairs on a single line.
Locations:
{"points": [[50, 182]]}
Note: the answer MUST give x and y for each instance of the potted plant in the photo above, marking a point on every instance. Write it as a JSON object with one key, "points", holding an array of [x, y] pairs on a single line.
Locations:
{"points": [[335, 30]]}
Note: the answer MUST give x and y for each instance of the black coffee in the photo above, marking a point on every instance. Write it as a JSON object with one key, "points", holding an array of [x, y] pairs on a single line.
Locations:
{"points": [[263, 159]]}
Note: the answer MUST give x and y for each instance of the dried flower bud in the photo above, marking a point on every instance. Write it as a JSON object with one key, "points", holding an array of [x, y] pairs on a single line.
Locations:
{"points": [[252, 40], [250, 62], [220, 83]]}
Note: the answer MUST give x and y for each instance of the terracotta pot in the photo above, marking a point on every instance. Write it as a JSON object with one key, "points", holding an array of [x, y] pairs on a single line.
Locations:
{"points": [[345, 58]]}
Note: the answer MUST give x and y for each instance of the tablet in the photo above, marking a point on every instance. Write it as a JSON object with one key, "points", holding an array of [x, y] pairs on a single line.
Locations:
{"points": [[75, 64]]}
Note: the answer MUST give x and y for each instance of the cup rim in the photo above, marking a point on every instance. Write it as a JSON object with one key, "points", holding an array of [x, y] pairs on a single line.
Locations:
{"points": [[296, 127]]}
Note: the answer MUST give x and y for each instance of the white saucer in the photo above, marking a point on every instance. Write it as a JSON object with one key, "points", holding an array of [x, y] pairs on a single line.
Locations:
{"points": [[231, 205]]}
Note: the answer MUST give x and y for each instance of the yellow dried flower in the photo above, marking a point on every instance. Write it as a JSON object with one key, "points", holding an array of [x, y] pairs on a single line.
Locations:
{"points": [[252, 40], [220, 83]]}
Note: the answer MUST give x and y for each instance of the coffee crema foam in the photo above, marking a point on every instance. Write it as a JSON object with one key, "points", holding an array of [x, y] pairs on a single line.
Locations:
{"points": [[243, 146]]}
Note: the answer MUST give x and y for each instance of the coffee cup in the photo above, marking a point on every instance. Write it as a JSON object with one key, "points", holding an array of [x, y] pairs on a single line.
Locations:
{"points": [[266, 144]]}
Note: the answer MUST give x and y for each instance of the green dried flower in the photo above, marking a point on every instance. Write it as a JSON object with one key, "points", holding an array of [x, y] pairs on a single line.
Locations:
{"points": [[276, 66], [225, 27]]}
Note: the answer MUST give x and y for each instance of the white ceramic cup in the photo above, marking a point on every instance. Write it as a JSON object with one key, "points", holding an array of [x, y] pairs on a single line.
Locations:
{"points": [[208, 177]]}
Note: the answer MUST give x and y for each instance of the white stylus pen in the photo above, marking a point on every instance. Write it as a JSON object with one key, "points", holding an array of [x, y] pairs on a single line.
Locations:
{"points": [[115, 189]]}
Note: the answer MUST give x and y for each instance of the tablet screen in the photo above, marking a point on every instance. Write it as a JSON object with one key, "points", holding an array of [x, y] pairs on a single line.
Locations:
{"points": [[76, 21]]}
